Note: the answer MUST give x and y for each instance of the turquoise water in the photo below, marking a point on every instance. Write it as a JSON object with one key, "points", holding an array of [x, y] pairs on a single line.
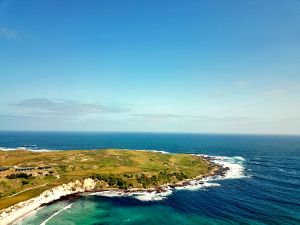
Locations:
{"points": [[92, 210], [264, 189]]}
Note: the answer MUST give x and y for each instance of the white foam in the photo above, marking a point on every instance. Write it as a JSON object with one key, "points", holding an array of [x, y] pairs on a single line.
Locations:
{"points": [[26, 149], [197, 185], [109, 194], [53, 215], [159, 151], [33, 148], [236, 170], [235, 165], [7, 149], [140, 195], [151, 196]]}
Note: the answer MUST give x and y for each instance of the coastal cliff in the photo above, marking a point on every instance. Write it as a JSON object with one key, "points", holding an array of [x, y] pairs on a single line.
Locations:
{"points": [[15, 212]]}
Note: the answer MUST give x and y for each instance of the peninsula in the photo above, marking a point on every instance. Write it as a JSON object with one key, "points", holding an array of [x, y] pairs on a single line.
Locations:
{"points": [[30, 179]]}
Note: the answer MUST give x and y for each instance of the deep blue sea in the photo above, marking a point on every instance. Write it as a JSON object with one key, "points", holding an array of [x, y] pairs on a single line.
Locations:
{"points": [[268, 192]]}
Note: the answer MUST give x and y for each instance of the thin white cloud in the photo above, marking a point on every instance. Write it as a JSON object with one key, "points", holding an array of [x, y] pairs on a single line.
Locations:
{"points": [[7, 33], [220, 118], [278, 92], [240, 83], [168, 116], [48, 107], [14, 117], [161, 116], [283, 89]]}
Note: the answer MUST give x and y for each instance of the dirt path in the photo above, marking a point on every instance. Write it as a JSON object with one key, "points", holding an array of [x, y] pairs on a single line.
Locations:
{"points": [[25, 190]]}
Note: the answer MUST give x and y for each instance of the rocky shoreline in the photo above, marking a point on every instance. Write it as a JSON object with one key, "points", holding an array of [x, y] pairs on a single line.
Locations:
{"points": [[88, 185]]}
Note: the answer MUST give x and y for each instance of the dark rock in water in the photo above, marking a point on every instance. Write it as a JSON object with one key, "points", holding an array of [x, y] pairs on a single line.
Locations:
{"points": [[222, 171]]}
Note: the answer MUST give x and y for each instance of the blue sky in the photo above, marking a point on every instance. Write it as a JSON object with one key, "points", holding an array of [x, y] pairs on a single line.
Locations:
{"points": [[139, 65]]}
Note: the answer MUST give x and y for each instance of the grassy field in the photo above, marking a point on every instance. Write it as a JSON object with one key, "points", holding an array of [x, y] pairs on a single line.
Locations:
{"points": [[111, 167]]}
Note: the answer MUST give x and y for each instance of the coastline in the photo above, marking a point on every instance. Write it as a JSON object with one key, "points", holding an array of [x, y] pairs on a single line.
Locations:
{"points": [[23, 209]]}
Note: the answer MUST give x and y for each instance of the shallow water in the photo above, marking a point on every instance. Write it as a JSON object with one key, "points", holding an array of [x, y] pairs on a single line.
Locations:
{"points": [[264, 187]]}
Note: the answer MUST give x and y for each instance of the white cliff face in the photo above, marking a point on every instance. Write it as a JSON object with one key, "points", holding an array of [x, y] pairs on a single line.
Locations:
{"points": [[13, 213], [89, 184]]}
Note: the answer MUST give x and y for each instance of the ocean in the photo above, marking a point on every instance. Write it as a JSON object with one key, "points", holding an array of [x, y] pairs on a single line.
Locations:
{"points": [[263, 186]]}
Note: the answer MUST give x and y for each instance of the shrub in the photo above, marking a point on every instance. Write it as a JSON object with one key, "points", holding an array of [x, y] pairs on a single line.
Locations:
{"points": [[63, 168], [128, 175], [24, 182], [18, 175]]}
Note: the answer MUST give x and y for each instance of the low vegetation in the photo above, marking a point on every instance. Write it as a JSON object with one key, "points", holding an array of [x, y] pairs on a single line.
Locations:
{"points": [[111, 168], [18, 175]]}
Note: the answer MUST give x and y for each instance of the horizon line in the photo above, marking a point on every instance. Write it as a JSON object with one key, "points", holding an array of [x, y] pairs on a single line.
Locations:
{"points": [[154, 132]]}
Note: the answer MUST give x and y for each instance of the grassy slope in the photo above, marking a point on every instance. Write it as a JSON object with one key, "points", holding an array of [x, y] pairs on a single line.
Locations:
{"points": [[136, 169]]}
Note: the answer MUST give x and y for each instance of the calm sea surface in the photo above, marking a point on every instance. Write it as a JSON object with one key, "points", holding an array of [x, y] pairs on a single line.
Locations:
{"points": [[268, 192]]}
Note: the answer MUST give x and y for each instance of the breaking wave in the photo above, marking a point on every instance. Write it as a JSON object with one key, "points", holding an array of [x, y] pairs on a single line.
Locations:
{"points": [[56, 213], [140, 195], [235, 164]]}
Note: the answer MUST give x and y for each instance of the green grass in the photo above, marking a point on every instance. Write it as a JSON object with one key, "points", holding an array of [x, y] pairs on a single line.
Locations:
{"points": [[118, 168], [6, 202]]}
